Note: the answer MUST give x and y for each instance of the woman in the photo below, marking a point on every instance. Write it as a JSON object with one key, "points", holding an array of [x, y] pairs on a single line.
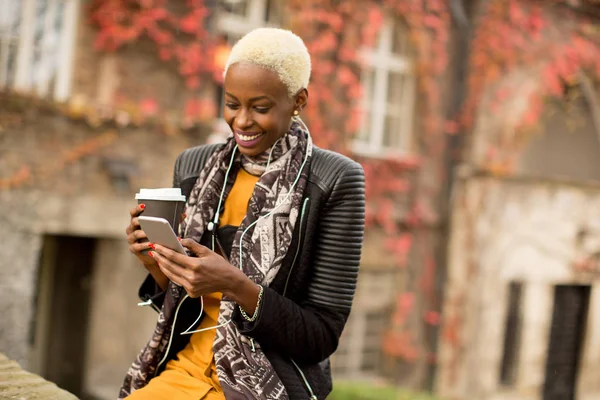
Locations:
{"points": [[274, 230]]}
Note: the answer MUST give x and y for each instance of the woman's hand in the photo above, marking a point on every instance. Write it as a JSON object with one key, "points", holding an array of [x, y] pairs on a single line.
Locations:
{"points": [[206, 273], [137, 239], [138, 242]]}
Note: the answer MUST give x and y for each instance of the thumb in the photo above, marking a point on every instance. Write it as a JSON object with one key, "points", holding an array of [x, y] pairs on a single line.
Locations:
{"points": [[195, 247]]}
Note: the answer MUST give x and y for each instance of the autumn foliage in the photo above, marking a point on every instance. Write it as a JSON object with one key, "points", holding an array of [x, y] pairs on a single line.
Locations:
{"points": [[548, 38], [508, 35]]}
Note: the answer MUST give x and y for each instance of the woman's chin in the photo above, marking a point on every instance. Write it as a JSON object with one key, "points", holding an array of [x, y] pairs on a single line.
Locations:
{"points": [[258, 148], [250, 151]]}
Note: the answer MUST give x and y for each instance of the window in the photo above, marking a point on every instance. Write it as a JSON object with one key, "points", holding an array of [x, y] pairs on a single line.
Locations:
{"points": [[37, 39], [359, 354], [571, 304], [388, 93], [512, 335], [238, 17]]}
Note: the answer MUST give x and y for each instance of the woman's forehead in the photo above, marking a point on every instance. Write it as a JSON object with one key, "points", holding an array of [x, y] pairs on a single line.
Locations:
{"points": [[245, 80]]}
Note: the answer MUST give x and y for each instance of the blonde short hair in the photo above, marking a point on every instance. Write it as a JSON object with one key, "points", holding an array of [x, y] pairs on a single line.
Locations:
{"points": [[278, 50]]}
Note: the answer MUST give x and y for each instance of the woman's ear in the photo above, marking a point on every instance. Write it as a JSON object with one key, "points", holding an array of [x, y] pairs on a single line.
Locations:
{"points": [[301, 100]]}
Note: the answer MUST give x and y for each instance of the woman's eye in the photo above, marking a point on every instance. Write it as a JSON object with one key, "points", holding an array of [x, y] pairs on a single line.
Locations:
{"points": [[262, 110], [232, 106]]}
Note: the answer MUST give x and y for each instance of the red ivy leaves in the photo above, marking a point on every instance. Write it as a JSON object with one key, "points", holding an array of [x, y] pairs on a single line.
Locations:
{"points": [[515, 34], [402, 345], [334, 32], [182, 39], [149, 107]]}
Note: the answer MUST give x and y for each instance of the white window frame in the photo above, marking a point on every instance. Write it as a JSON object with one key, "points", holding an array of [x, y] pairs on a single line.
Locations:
{"points": [[381, 60], [238, 25], [24, 80]]}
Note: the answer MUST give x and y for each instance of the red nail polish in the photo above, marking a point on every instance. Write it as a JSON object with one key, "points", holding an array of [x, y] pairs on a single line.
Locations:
{"points": [[152, 246], [151, 254], [142, 206], [180, 239]]}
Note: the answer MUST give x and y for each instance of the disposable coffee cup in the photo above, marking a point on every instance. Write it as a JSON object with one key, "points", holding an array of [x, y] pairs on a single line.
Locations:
{"points": [[167, 203]]}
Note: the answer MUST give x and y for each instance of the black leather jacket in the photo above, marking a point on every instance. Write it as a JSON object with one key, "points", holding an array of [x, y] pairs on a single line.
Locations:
{"points": [[304, 311]]}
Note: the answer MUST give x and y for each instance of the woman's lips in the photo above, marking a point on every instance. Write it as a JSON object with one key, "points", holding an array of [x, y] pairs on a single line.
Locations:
{"points": [[248, 139]]}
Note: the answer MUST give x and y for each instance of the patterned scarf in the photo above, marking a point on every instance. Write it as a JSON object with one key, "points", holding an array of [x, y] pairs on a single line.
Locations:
{"points": [[244, 373]]}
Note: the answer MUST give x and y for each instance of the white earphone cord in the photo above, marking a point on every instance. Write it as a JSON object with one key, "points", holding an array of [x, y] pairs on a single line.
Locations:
{"points": [[216, 219]]}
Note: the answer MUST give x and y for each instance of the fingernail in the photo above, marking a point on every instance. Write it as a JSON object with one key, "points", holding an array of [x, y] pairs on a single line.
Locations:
{"points": [[142, 206], [180, 239], [151, 254], [152, 246]]}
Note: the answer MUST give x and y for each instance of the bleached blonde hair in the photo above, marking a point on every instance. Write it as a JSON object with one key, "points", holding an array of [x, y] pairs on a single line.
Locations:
{"points": [[278, 50]]}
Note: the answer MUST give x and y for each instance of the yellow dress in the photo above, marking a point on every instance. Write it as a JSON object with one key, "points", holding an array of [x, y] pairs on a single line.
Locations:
{"points": [[193, 374]]}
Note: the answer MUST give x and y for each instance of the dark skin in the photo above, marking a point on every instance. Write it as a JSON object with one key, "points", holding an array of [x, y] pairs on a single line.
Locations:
{"points": [[256, 102]]}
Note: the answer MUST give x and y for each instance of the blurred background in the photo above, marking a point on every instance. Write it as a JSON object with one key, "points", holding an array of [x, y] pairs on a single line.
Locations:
{"points": [[477, 123]]}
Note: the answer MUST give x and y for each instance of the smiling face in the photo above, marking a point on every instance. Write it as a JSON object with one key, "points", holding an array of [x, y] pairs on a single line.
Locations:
{"points": [[258, 108]]}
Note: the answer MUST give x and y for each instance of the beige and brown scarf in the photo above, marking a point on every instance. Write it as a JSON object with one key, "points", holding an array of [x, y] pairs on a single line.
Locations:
{"points": [[265, 236]]}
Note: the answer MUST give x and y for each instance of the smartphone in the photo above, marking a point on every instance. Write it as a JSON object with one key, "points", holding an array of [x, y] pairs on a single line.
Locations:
{"points": [[159, 231]]}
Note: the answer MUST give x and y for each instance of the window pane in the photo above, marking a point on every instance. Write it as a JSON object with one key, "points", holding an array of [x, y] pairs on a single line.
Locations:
{"points": [[365, 130], [368, 79], [376, 322], [512, 335], [237, 7], [396, 86], [40, 13], [392, 131], [38, 36], [10, 11], [400, 44], [275, 12], [368, 84], [48, 29], [567, 332], [8, 61]]}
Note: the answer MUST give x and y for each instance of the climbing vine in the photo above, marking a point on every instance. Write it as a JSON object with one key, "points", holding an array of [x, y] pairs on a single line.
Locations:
{"points": [[177, 30], [508, 35], [334, 32], [557, 47], [547, 39]]}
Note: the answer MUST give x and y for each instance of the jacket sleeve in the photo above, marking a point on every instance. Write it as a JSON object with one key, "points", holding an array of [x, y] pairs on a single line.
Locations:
{"points": [[310, 332], [149, 292]]}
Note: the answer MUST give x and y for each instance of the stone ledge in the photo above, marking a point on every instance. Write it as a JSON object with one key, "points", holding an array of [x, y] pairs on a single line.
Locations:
{"points": [[17, 384]]}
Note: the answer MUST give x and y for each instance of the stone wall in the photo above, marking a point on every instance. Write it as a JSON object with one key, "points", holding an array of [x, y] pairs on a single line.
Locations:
{"points": [[118, 328], [533, 232], [82, 196], [18, 273], [128, 76], [15, 383]]}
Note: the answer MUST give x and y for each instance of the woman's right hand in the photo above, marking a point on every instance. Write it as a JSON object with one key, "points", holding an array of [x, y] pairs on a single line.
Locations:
{"points": [[135, 234]]}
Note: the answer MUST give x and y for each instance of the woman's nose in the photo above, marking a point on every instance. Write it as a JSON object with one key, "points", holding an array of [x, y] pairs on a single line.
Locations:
{"points": [[243, 120]]}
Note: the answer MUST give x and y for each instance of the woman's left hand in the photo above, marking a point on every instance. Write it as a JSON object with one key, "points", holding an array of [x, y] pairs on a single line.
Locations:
{"points": [[206, 273]]}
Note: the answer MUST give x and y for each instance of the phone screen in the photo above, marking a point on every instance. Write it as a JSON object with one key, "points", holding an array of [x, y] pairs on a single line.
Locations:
{"points": [[159, 231]]}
